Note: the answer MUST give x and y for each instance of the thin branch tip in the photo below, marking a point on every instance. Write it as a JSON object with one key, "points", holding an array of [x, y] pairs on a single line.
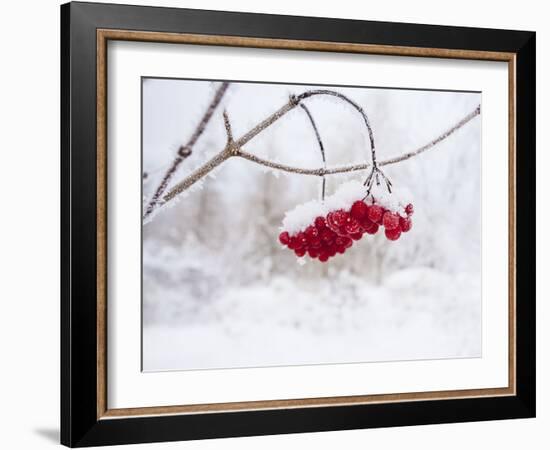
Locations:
{"points": [[227, 124]]}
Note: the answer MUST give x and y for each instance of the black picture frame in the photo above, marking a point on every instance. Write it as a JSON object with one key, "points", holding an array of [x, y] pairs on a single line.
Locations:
{"points": [[80, 425]]}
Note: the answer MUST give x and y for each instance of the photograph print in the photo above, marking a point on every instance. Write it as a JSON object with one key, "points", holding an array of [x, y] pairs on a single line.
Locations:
{"points": [[289, 224]]}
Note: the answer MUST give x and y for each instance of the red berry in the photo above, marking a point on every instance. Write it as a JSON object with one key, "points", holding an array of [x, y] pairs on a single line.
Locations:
{"points": [[390, 220], [336, 219], [339, 240], [366, 223], [320, 223], [315, 242], [409, 209], [313, 252], [293, 243], [359, 210], [301, 240], [332, 219], [356, 236], [300, 252], [405, 223], [343, 241], [284, 238], [328, 236], [351, 226], [341, 249], [375, 213], [332, 250], [394, 234], [323, 256], [373, 229], [342, 231], [311, 232]]}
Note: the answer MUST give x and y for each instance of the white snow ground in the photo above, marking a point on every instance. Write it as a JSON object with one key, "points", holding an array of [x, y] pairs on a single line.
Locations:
{"points": [[414, 313]]}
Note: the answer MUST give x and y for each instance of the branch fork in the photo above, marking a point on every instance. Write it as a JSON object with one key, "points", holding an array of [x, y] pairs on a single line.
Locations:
{"points": [[374, 176]]}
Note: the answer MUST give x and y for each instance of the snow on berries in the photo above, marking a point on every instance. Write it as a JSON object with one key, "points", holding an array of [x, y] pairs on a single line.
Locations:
{"points": [[390, 220], [323, 229]]}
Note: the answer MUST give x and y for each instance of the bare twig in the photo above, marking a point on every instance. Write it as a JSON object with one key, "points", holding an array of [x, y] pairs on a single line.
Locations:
{"points": [[321, 146], [185, 150], [266, 122], [321, 171], [227, 125], [234, 148], [435, 141], [201, 172]]}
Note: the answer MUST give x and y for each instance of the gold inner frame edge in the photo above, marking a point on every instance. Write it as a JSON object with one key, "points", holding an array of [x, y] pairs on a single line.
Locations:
{"points": [[103, 36]]}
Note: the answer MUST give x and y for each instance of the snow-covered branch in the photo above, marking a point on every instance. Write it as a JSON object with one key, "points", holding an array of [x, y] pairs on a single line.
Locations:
{"points": [[321, 171], [185, 150], [234, 148]]}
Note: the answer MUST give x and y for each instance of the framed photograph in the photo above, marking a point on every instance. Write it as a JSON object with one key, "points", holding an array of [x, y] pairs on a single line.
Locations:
{"points": [[276, 224]]}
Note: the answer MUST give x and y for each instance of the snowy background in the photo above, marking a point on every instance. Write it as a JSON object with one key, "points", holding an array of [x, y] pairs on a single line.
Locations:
{"points": [[218, 289]]}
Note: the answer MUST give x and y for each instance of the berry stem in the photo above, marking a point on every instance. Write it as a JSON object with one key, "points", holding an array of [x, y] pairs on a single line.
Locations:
{"points": [[357, 107], [321, 147]]}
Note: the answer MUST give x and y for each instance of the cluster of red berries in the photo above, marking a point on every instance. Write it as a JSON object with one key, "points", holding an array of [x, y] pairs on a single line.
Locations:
{"points": [[336, 232]]}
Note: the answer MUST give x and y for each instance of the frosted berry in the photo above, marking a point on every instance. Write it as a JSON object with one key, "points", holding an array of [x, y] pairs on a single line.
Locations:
{"points": [[284, 238], [313, 252], [336, 219], [311, 232], [315, 242], [339, 240], [393, 235], [342, 241], [359, 210], [365, 223], [320, 223], [405, 223], [373, 229], [375, 213], [328, 236], [352, 226], [293, 244], [301, 240], [390, 220]]}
